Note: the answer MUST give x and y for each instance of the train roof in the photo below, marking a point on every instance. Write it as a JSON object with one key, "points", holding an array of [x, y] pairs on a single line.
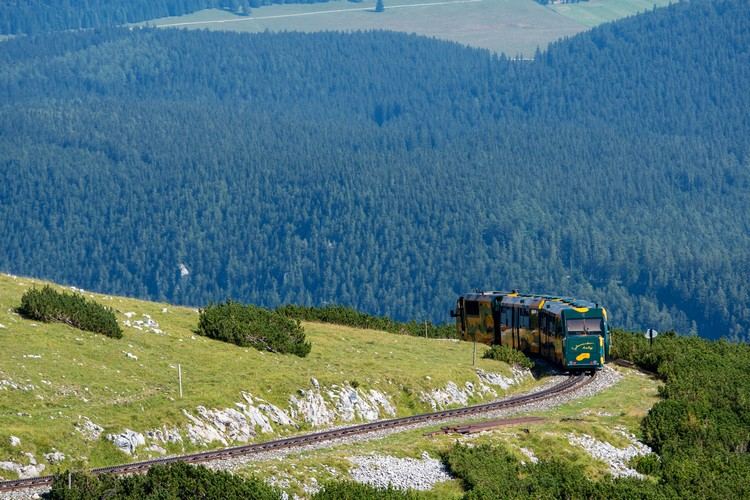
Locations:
{"points": [[552, 303]]}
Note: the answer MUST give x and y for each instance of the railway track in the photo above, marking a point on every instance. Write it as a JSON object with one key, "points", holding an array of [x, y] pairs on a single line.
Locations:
{"points": [[571, 383]]}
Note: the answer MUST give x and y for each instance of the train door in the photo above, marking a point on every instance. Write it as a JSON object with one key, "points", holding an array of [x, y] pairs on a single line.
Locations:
{"points": [[497, 322], [514, 330]]}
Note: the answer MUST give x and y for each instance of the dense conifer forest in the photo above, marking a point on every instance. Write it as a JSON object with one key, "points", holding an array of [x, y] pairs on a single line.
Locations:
{"points": [[386, 171]]}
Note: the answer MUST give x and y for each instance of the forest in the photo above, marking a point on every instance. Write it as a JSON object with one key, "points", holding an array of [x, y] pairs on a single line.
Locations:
{"points": [[388, 172], [42, 16]]}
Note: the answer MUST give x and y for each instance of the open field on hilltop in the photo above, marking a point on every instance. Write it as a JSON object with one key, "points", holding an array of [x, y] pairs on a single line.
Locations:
{"points": [[69, 373], [512, 27], [602, 416], [596, 12]]}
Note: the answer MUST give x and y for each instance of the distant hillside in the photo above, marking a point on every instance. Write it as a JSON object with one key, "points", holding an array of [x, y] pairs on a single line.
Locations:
{"points": [[388, 172]]}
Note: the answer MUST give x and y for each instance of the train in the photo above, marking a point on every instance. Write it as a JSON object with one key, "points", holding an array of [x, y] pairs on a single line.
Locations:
{"points": [[572, 334]]}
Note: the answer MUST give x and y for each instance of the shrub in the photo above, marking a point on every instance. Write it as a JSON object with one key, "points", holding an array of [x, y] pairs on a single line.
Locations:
{"points": [[646, 464], [508, 355], [342, 315], [178, 480], [248, 325], [349, 490], [75, 310]]}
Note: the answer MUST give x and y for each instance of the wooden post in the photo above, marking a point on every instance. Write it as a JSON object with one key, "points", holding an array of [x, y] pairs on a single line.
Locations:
{"points": [[474, 354]]}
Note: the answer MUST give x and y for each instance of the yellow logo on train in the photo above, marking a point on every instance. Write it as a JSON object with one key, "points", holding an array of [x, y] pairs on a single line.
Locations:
{"points": [[582, 356], [584, 346]]}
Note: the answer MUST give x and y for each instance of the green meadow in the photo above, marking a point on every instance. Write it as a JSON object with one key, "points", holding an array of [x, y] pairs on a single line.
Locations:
{"points": [[70, 373]]}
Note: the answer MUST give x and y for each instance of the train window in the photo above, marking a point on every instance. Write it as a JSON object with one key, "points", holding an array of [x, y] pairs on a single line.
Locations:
{"points": [[505, 316], [472, 308], [584, 326], [523, 318]]}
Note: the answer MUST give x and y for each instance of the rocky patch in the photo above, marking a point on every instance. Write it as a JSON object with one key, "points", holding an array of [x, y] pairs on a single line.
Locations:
{"points": [[9, 384], [127, 441], [145, 324], [54, 457], [615, 458], [32, 469], [165, 435], [401, 473], [88, 429], [345, 403], [452, 395]]}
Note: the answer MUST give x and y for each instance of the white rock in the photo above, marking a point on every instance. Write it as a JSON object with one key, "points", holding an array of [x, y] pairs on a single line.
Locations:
{"points": [[129, 314], [255, 417], [15, 441], [158, 449], [23, 471], [494, 379], [165, 435], [530, 454], [276, 414], [3, 326], [89, 429], [380, 399], [54, 457], [311, 407], [127, 441], [219, 425], [442, 398]]}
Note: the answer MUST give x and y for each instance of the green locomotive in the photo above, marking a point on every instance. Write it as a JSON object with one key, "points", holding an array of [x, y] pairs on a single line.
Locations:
{"points": [[570, 333]]}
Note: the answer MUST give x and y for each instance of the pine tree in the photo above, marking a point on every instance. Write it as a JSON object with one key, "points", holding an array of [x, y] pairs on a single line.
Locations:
{"points": [[379, 7]]}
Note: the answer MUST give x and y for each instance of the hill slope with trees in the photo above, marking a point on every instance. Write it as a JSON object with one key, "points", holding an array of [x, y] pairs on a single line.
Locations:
{"points": [[385, 171]]}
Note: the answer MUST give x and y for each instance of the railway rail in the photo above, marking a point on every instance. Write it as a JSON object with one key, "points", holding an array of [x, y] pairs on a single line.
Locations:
{"points": [[573, 382]]}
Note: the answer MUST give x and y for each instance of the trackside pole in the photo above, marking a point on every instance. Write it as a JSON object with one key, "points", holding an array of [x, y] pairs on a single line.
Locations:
{"points": [[474, 354]]}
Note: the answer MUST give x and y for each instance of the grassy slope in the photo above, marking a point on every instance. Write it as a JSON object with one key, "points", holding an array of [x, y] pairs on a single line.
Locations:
{"points": [[509, 26], [87, 374], [598, 416]]}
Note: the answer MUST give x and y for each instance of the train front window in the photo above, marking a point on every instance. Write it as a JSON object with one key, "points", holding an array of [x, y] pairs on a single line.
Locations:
{"points": [[590, 326]]}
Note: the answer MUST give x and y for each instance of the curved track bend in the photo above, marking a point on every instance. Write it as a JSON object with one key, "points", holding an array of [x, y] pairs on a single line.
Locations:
{"points": [[571, 383]]}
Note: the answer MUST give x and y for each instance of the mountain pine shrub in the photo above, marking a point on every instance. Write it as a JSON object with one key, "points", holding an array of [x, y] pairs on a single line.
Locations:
{"points": [[49, 305], [249, 325], [508, 355]]}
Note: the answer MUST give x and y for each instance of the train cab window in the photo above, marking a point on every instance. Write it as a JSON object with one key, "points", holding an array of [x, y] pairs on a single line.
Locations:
{"points": [[590, 326], [472, 308]]}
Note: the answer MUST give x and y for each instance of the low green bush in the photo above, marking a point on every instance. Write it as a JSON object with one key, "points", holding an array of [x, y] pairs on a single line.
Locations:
{"points": [[508, 355], [490, 472], [173, 481], [342, 315], [249, 325], [349, 490], [49, 305], [646, 464]]}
